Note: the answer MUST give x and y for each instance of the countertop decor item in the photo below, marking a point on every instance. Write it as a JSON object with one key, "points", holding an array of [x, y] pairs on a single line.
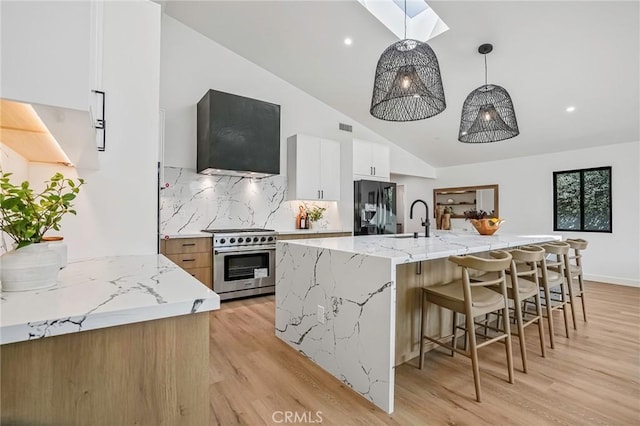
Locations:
{"points": [[486, 226], [25, 216], [314, 214], [407, 85], [485, 223], [487, 113], [59, 246]]}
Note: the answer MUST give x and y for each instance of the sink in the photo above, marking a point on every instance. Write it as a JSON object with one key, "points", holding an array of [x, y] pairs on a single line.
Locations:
{"points": [[406, 236]]}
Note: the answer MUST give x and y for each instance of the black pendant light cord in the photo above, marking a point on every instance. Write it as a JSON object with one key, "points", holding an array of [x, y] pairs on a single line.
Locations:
{"points": [[485, 70], [405, 19]]}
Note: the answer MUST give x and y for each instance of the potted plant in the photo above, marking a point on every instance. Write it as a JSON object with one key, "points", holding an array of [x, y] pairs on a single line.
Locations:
{"points": [[315, 213], [485, 223], [25, 216]]}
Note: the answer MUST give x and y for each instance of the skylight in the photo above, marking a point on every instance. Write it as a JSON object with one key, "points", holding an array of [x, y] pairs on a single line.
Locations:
{"points": [[422, 22]]}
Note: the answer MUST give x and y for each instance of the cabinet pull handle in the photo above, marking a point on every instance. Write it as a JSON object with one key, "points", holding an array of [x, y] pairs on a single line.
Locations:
{"points": [[188, 260], [318, 193], [188, 244], [322, 194]]}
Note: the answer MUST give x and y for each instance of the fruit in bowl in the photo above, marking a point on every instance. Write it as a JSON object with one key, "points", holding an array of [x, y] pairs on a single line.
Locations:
{"points": [[485, 223]]}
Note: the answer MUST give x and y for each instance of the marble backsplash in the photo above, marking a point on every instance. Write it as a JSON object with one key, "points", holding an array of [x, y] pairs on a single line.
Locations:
{"points": [[190, 202]]}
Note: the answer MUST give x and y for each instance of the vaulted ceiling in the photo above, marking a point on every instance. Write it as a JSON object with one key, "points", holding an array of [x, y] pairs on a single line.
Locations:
{"points": [[548, 55]]}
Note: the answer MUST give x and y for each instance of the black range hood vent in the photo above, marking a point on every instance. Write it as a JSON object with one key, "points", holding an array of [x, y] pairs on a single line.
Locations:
{"points": [[237, 136]]}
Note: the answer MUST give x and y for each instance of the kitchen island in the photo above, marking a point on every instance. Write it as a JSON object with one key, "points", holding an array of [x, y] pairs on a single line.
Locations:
{"points": [[118, 340], [351, 304]]}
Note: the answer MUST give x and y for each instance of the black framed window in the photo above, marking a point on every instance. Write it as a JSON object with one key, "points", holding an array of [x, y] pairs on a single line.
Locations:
{"points": [[582, 200]]}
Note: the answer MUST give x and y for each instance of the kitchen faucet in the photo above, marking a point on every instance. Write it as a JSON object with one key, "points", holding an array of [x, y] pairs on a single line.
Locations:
{"points": [[425, 223]]}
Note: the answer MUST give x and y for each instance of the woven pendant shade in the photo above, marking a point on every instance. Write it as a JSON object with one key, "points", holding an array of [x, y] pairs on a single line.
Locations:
{"points": [[488, 116], [407, 84], [487, 113]]}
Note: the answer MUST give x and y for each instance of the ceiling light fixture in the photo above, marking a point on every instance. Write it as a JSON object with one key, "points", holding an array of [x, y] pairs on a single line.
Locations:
{"points": [[571, 109], [487, 113], [348, 41], [407, 85]]}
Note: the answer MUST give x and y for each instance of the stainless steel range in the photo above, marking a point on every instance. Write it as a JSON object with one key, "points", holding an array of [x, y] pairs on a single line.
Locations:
{"points": [[243, 262]]}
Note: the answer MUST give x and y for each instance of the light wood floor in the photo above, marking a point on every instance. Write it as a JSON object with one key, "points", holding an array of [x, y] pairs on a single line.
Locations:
{"points": [[592, 378]]}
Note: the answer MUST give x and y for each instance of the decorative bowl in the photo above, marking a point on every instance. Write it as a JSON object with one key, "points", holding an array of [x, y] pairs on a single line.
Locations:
{"points": [[486, 226]]}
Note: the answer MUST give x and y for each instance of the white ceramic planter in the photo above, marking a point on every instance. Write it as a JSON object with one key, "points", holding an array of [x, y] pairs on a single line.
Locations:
{"points": [[58, 245], [29, 268]]}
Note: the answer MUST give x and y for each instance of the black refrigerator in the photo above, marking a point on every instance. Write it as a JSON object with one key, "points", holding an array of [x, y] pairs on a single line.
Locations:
{"points": [[374, 207]]}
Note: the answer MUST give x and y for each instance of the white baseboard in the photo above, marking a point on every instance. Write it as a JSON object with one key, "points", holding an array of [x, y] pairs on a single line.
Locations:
{"points": [[612, 280]]}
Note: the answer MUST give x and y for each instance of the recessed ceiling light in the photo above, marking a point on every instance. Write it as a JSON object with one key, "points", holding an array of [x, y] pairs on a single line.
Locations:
{"points": [[571, 109], [348, 41]]}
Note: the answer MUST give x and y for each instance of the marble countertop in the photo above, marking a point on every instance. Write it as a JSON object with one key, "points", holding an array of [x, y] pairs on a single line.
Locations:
{"points": [[311, 231], [403, 248], [100, 293], [283, 232]]}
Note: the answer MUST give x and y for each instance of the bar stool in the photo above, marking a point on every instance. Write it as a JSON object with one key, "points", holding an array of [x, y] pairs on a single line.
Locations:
{"points": [[553, 276], [575, 268], [472, 299], [566, 271], [523, 285]]}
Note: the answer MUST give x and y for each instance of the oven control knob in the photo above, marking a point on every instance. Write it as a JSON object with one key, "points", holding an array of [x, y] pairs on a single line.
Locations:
{"points": [[263, 239], [270, 239], [240, 240], [232, 240], [255, 239], [222, 241]]}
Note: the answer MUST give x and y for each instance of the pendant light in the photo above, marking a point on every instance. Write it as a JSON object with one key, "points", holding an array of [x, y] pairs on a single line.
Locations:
{"points": [[487, 113], [407, 84]]}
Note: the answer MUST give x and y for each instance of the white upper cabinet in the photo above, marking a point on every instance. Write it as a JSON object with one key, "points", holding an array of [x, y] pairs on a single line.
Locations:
{"points": [[313, 168], [371, 161], [48, 52]]}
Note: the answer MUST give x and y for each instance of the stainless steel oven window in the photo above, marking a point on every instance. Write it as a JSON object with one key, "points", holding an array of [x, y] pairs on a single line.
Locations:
{"points": [[245, 266]]}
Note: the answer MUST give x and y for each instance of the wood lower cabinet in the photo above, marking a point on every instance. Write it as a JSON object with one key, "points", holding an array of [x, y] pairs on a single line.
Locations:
{"points": [[191, 254], [145, 373]]}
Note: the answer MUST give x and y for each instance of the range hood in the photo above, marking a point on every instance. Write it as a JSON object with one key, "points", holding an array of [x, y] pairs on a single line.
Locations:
{"points": [[237, 136], [49, 134]]}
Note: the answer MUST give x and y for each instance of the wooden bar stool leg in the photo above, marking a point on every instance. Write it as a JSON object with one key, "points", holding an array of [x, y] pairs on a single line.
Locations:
{"points": [[523, 346], [508, 346], [581, 284], [474, 356], [571, 298], [454, 338], [540, 325], [564, 309], [423, 314], [547, 298]]}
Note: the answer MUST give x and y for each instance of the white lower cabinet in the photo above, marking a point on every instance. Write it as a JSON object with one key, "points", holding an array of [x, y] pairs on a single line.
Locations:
{"points": [[313, 168]]}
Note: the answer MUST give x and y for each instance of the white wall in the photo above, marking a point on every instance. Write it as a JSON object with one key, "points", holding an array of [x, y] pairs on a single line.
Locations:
{"points": [[117, 209], [191, 64], [526, 202], [416, 188]]}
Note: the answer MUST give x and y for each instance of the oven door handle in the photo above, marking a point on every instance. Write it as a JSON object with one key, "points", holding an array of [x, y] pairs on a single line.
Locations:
{"points": [[242, 249]]}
